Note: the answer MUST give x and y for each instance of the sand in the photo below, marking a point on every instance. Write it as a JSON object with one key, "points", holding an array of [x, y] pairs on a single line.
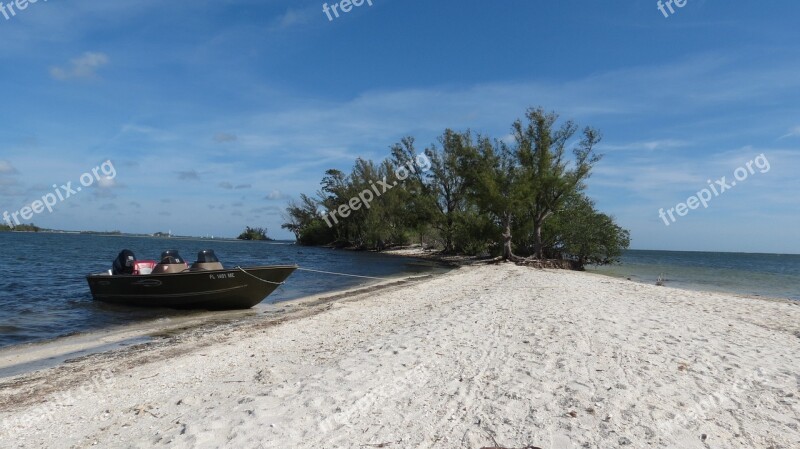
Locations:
{"points": [[482, 356]]}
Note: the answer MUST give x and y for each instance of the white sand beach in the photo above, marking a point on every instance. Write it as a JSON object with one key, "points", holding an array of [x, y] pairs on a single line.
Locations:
{"points": [[483, 356]]}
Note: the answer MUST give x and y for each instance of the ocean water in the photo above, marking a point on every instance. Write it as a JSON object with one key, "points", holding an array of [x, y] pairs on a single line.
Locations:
{"points": [[43, 291], [769, 275], [44, 294]]}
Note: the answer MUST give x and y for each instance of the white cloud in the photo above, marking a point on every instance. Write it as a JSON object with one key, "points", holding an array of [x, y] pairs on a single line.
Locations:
{"points": [[794, 132], [275, 195], [294, 17], [106, 182], [651, 145], [6, 168], [82, 67]]}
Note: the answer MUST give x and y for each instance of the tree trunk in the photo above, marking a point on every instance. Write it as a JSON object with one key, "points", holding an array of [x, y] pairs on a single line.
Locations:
{"points": [[538, 247], [508, 254], [537, 239], [448, 246]]}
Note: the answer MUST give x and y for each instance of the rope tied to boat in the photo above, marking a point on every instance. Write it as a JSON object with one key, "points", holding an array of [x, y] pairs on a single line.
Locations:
{"points": [[314, 271], [256, 277], [344, 274]]}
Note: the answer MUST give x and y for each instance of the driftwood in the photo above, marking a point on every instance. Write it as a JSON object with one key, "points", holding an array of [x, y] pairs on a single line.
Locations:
{"points": [[558, 264], [498, 447]]}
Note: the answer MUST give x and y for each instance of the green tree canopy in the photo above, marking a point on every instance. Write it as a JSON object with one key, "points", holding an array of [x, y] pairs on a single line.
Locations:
{"points": [[254, 234], [519, 200]]}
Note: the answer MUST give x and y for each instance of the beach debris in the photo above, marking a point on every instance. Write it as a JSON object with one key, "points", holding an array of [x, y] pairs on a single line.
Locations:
{"points": [[683, 366], [703, 437], [573, 414], [500, 447], [142, 409], [553, 264]]}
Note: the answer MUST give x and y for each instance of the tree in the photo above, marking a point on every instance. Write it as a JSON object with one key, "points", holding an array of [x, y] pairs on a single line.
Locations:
{"points": [[298, 216], [335, 188], [523, 200], [305, 222], [417, 193], [445, 183], [550, 178], [254, 234], [581, 233], [495, 186], [20, 228]]}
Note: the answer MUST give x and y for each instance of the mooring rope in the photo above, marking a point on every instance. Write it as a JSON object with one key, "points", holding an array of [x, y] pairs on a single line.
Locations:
{"points": [[314, 271], [345, 274], [256, 277]]}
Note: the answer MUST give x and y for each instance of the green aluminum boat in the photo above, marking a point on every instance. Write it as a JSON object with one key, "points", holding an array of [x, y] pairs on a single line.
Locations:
{"points": [[172, 283]]}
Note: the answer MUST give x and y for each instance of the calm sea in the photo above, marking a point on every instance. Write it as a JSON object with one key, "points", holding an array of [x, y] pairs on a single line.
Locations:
{"points": [[771, 275], [43, 291]]}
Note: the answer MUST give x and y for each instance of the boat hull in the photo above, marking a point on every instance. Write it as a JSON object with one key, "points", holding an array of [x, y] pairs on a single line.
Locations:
{"points": [[228, 289]]}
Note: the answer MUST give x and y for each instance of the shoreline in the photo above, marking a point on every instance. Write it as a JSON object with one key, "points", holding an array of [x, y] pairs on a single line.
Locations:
{"points": [[152, 321], [414, 251], [54, 352], [516, 350], [118, 336], [690, 287]]}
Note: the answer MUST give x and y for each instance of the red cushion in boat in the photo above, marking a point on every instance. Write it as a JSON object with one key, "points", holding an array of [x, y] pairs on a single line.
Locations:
{"points": [[143, 266]]}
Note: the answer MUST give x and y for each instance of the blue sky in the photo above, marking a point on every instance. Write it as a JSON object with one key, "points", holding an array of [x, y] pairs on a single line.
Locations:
{"points": [[216, 113]]}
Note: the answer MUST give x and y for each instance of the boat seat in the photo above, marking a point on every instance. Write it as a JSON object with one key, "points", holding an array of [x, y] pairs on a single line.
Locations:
{"points": [[206, 261], [171, 262], [206, 266], [169, 268]]}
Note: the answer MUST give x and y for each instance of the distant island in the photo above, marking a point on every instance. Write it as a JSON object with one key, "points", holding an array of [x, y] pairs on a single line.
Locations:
{"points": [[254, 234], [248, 234], [21, 228]]}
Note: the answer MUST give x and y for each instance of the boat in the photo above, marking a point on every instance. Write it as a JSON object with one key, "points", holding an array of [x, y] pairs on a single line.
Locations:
{"points": [[172, 283]]}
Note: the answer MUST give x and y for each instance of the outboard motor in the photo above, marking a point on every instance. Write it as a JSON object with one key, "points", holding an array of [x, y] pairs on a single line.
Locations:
{"points": [[206, 260], [171, 262], [124, 262]]}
